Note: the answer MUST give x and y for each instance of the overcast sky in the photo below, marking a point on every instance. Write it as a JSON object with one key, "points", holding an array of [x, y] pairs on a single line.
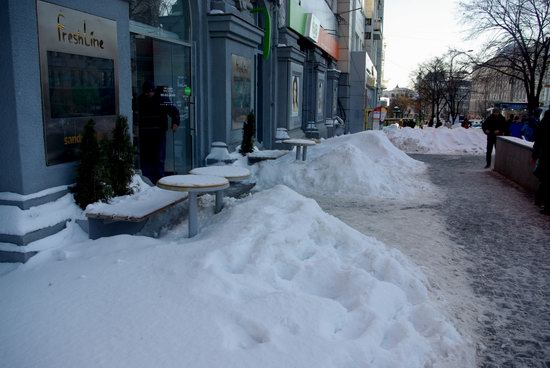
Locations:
{"points": [[418, 30]]}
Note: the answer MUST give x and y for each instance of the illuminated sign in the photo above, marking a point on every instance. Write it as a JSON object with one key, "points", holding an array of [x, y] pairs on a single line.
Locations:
{"points": [[313, 27]]}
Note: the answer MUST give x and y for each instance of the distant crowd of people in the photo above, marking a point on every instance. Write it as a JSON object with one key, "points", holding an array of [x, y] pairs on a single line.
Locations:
{"points": [[529, 128]]}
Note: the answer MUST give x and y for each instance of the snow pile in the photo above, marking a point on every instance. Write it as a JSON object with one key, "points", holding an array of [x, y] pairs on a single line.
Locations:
{"points": [[440, 140], [359, 165], [272, 281]]}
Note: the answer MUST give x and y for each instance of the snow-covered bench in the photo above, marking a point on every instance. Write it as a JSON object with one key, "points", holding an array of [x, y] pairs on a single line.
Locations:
{"points": [[129, 214]]}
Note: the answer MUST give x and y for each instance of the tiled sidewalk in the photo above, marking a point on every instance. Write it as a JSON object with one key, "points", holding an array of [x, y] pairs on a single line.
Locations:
{"points": [[507, 242]]}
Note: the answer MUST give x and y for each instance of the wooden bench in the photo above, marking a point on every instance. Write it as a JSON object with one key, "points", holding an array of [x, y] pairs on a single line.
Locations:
{"points": [[129, 214]]}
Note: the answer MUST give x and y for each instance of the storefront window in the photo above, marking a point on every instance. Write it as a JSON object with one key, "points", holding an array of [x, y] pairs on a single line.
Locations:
{"points": [[168, 19], [78, 74], [241, 90], [80, 86]]}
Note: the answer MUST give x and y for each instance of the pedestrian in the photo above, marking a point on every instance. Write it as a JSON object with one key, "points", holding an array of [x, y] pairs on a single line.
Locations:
{"points": [[541, 158], [466, 123], [514, 129], [153, 111], [493, 126], [528, 129], [509, 122]]}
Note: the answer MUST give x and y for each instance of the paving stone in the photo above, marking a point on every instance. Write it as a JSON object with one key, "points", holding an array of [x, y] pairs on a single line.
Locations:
{"points": [[508, 243], [500, 244]]}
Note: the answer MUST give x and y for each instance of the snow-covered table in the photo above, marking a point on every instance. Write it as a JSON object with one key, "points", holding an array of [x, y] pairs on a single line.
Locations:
{"points": [[193, 184], [233, 174], [299, 143]]}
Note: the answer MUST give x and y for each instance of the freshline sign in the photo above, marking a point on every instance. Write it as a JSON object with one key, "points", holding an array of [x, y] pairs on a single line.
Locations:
{"points": [[78, 72]]}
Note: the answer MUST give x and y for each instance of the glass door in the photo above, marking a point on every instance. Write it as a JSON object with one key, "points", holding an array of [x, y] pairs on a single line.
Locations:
{"points": [[167, 66]]}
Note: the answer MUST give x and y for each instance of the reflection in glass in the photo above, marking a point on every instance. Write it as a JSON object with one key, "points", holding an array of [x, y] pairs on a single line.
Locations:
{"points": [[169, 16], [80, 85], [167, 65]]}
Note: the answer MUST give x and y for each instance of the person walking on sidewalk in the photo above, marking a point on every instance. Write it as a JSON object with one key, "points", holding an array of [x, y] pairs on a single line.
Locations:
{"points": [[541, 157], [494, 125]]}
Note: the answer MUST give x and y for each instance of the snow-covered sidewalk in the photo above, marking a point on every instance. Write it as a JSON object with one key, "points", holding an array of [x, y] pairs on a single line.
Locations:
{"points": [[271, 281]]}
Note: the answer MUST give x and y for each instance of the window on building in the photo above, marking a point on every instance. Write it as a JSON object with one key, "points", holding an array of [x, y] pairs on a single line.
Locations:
{"points": [[169, 18]]}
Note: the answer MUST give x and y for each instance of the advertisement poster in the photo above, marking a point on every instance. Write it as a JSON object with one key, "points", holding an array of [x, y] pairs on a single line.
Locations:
{"points": [[241, 90], [295, 96], [320, 99]]}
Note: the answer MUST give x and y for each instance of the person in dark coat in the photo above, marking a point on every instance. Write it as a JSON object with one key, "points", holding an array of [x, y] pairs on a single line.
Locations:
{"points": [[541, 157], [494, 125], [153, 112], [528, 129]]}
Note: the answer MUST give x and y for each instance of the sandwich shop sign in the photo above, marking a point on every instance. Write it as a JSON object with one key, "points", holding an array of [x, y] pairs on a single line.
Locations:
{"points": [[79, 77]]}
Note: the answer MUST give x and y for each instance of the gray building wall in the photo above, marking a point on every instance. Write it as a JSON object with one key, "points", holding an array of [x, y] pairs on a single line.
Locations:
{"points": [[10, 154], [357, 92], [290, 65], [229, 35], [23, 163]]}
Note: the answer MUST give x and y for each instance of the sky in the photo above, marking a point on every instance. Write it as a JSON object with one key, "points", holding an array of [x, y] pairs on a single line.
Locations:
{"points": [[416, 31]]}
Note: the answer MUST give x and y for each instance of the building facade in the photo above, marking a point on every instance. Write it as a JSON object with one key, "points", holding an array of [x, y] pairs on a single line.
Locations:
{"points": [[65, 62], [490, 88]]}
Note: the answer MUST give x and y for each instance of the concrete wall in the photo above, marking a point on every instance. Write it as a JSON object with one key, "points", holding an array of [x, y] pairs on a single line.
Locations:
{"points": [[513, 160], [290, 64], [23, 164]]}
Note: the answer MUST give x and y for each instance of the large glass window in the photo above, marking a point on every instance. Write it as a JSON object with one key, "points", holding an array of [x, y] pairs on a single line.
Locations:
{"points": [[168, 19], [80, 85], [167, 66]]}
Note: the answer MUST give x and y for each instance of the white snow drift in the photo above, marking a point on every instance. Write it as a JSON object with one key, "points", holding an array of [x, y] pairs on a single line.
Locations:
{"points": [[272, 281], [362, 165], [440, 140]]}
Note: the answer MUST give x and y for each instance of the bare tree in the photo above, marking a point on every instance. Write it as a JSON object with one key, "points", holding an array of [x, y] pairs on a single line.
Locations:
{"points": [[429, 85], [456, 84], [487, 88], [149, 11], [519, 42], [403, 104]]}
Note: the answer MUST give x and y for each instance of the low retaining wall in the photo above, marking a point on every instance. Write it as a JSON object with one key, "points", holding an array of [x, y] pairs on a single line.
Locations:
{"points": [[513, 160]]}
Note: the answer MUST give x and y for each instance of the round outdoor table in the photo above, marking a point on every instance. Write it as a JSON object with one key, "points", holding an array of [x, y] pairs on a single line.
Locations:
{"points": [[299, 143], [193, 184], [233, 174]]}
